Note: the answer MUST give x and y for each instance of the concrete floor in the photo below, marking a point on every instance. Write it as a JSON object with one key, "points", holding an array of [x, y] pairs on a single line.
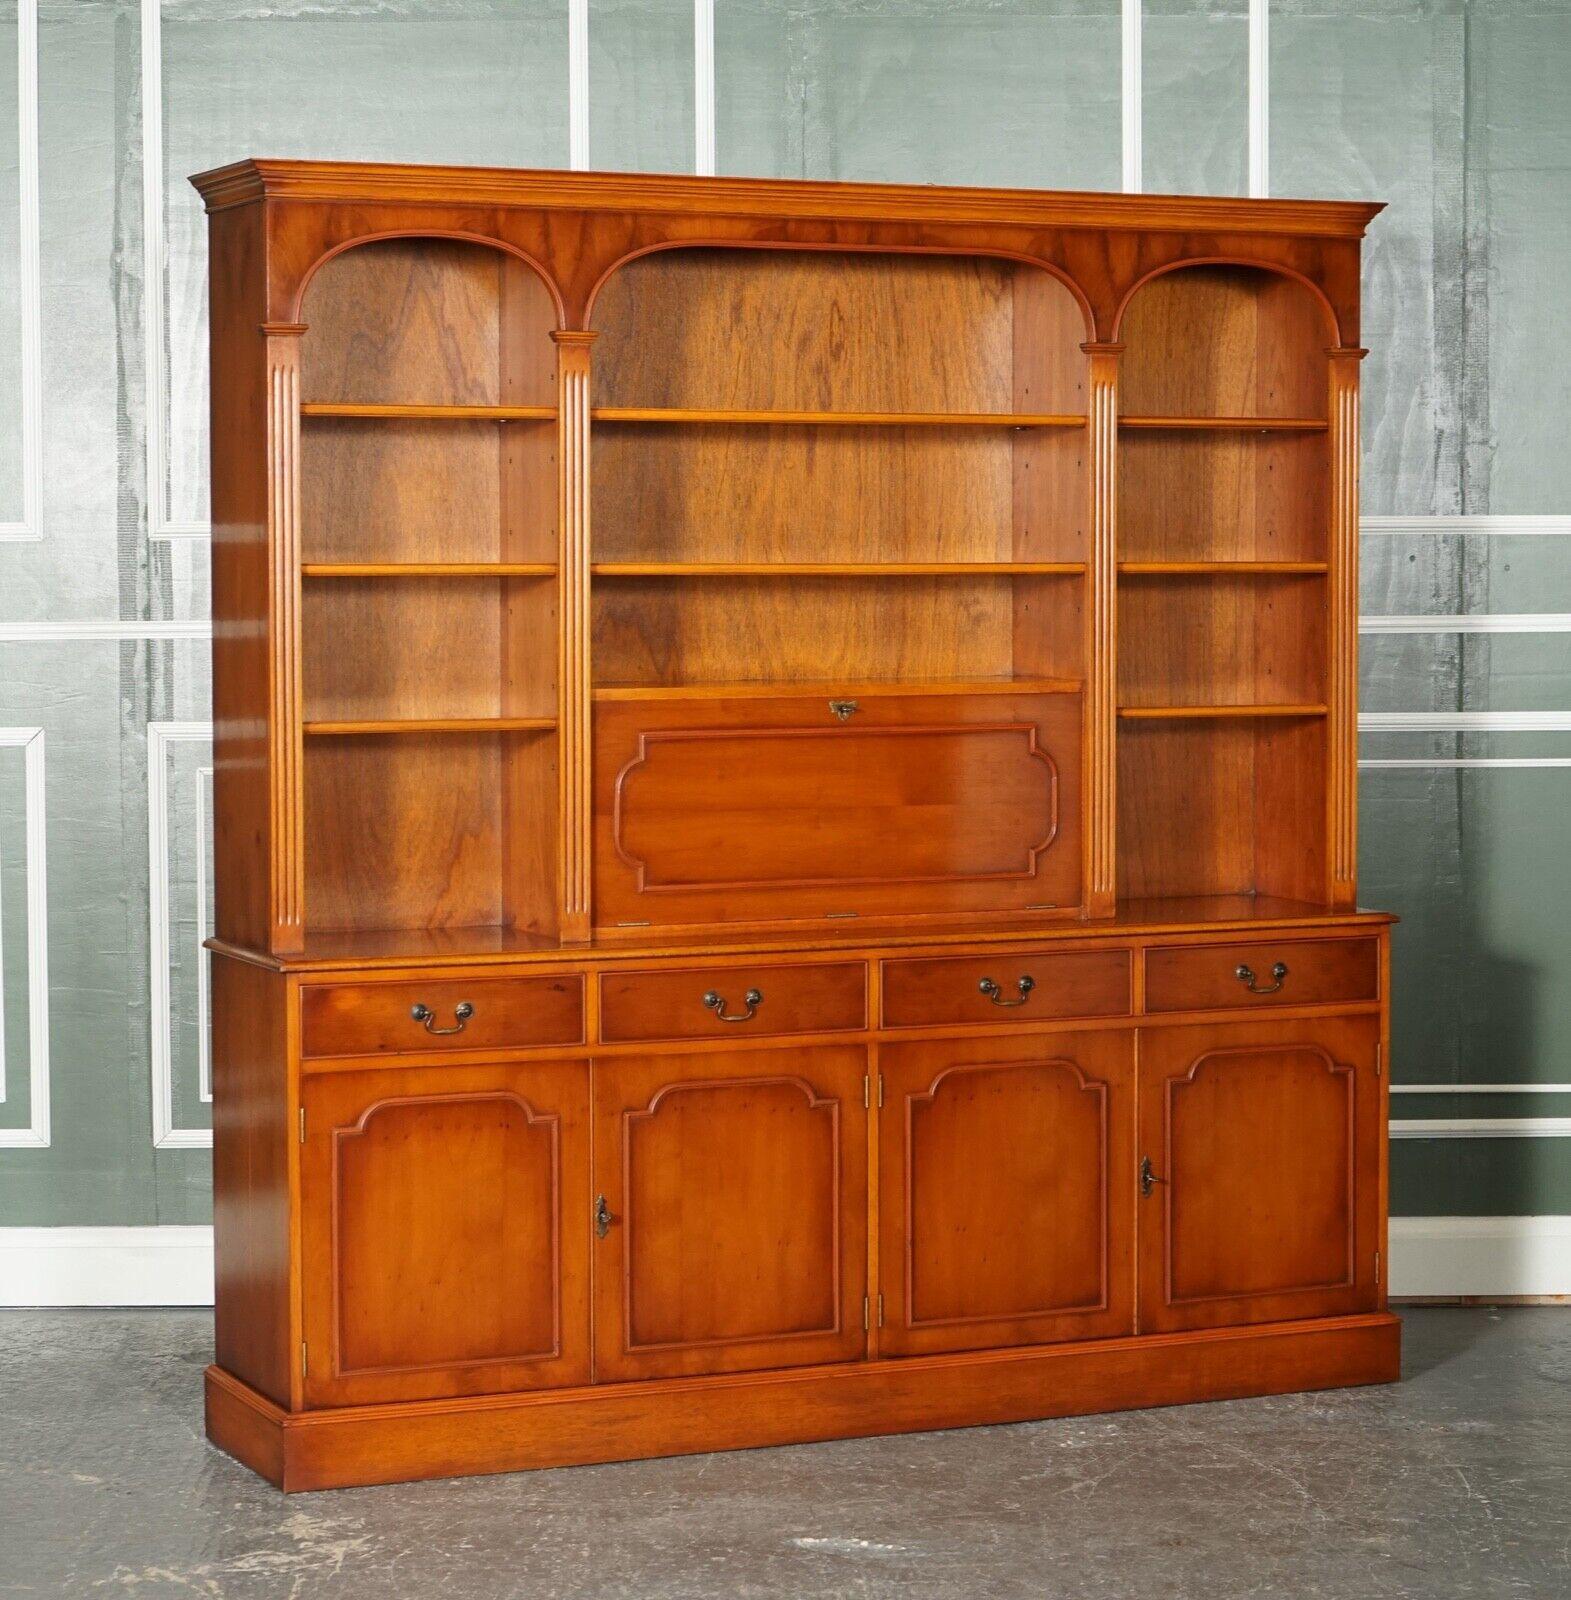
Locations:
{"points": [[1455, 1483]]}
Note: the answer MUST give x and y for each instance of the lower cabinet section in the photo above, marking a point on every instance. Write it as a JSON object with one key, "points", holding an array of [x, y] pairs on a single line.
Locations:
{"points": [[445, 1250], [1260, 1163], [1006, 1193], [471, 1227], [731, 1210]]}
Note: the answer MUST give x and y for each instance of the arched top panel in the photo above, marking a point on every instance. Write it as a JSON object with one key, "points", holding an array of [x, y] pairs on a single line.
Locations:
{"points": [[1224, 338], [845, 329], [417, 319]]}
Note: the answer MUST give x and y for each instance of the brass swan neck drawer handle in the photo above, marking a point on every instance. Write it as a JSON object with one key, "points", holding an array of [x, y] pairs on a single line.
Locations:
{"points": [[995, 994], [462, 1012], [753, 999], [1246, 976]]}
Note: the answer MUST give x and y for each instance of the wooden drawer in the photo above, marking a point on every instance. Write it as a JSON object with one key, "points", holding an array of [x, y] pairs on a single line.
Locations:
{"points": [[1283, 972], [683, 1004], [504, 1013], [1075, 983]]}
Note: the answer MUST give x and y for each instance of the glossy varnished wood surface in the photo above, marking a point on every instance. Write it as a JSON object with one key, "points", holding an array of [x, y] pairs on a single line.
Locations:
{"points": [[444, 1239], [377, 1018], [736, 1186], [1006, 1214], [551, 513], [1198, 978], [1265, 1144], [624, 1421], [925, 993], [672, 1004]]}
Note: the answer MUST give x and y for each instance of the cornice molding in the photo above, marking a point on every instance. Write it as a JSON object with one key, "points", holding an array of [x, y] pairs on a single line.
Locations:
{"points": [[373, 182]]}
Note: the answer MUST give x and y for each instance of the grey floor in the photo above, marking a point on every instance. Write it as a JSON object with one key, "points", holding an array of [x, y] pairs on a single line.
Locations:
{"points": [[1457, 1482]]}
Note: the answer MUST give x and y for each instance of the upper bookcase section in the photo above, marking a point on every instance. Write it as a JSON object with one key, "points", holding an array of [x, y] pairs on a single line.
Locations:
{"points": [[576, 229]]}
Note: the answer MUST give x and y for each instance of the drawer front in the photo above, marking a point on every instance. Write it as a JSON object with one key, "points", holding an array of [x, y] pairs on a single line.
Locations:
{"points": [[1275, 973], [718, 1002], [488, 1014], [1009, 986]]}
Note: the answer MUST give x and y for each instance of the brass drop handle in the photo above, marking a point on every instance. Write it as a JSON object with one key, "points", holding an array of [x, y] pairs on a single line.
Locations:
{"points": [[995, 994], [1148, 1177], [462, 1012], [753, 999], [1246, 976], [603, 1217]]}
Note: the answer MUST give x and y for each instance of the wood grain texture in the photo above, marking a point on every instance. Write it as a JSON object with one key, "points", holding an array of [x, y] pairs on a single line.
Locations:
{"points": [[934, 992], [623, 1421], [1058, 485], [1005, 1211], [253, 1177], [709, 810], [445, 1248], [1264, 1145], [1196, 977], [793, 999], [376, 1018], [737, 1190]]}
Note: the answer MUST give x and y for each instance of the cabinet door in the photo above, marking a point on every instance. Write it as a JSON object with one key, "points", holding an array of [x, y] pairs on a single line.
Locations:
{"points": [[1262, 1200], [446, 1231], [733, 1232], [1005, 1194]]}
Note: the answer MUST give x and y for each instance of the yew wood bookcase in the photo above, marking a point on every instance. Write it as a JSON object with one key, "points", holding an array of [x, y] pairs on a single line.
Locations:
{"points": [[785, 791]]}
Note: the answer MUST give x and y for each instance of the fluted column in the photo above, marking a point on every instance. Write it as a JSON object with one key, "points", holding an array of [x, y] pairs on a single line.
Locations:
{"points": [[286, 886], [573, 669], [1342, 662], [1101, 708]]}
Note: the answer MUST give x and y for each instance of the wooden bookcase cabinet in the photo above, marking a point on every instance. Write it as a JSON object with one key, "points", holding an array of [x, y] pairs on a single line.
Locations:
{"points": [[767, 738]]}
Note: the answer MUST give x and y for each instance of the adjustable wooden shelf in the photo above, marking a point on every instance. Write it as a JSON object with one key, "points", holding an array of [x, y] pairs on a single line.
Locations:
{"points": [[785, 800]]}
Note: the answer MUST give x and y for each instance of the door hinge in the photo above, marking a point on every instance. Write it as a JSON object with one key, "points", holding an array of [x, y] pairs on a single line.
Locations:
{"points": [[865, 1318], [867, 1093], [1377, 1266], [880, 1311], [1380, 1060], [302, 1124], [880, 1088], [303, 1362]]}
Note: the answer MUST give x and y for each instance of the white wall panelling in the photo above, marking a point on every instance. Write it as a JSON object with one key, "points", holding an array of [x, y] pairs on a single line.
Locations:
{"points": [[1259, 97], [704, 151], [578, 84], [35, 1136], [1133, 96], [160, 736], [1470, 523], [29, 310]]}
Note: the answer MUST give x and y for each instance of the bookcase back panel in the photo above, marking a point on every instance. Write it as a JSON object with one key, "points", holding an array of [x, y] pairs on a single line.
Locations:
{"points": [[405, 832], [1224, 341], [713, 630], [1203, 496], [1222, 807], [386, 649], [427, 322], [843, 332], [1222, 641], [389, 490], [708, 492], [760, 809]]}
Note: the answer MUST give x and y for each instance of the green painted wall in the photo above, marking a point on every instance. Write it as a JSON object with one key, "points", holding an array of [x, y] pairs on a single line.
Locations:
{"points": [[1454, 112]]}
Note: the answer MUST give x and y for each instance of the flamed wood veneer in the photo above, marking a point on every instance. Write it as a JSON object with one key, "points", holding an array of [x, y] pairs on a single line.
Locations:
{"points": [[785, 807]]}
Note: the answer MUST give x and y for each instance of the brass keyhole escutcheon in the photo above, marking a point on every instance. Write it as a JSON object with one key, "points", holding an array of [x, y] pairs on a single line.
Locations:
{"points": [[603, 1217]]}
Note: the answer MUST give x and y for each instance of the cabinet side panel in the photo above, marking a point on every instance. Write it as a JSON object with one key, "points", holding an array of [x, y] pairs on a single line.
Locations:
{"points": [[242, 832], [251, 1178]]}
